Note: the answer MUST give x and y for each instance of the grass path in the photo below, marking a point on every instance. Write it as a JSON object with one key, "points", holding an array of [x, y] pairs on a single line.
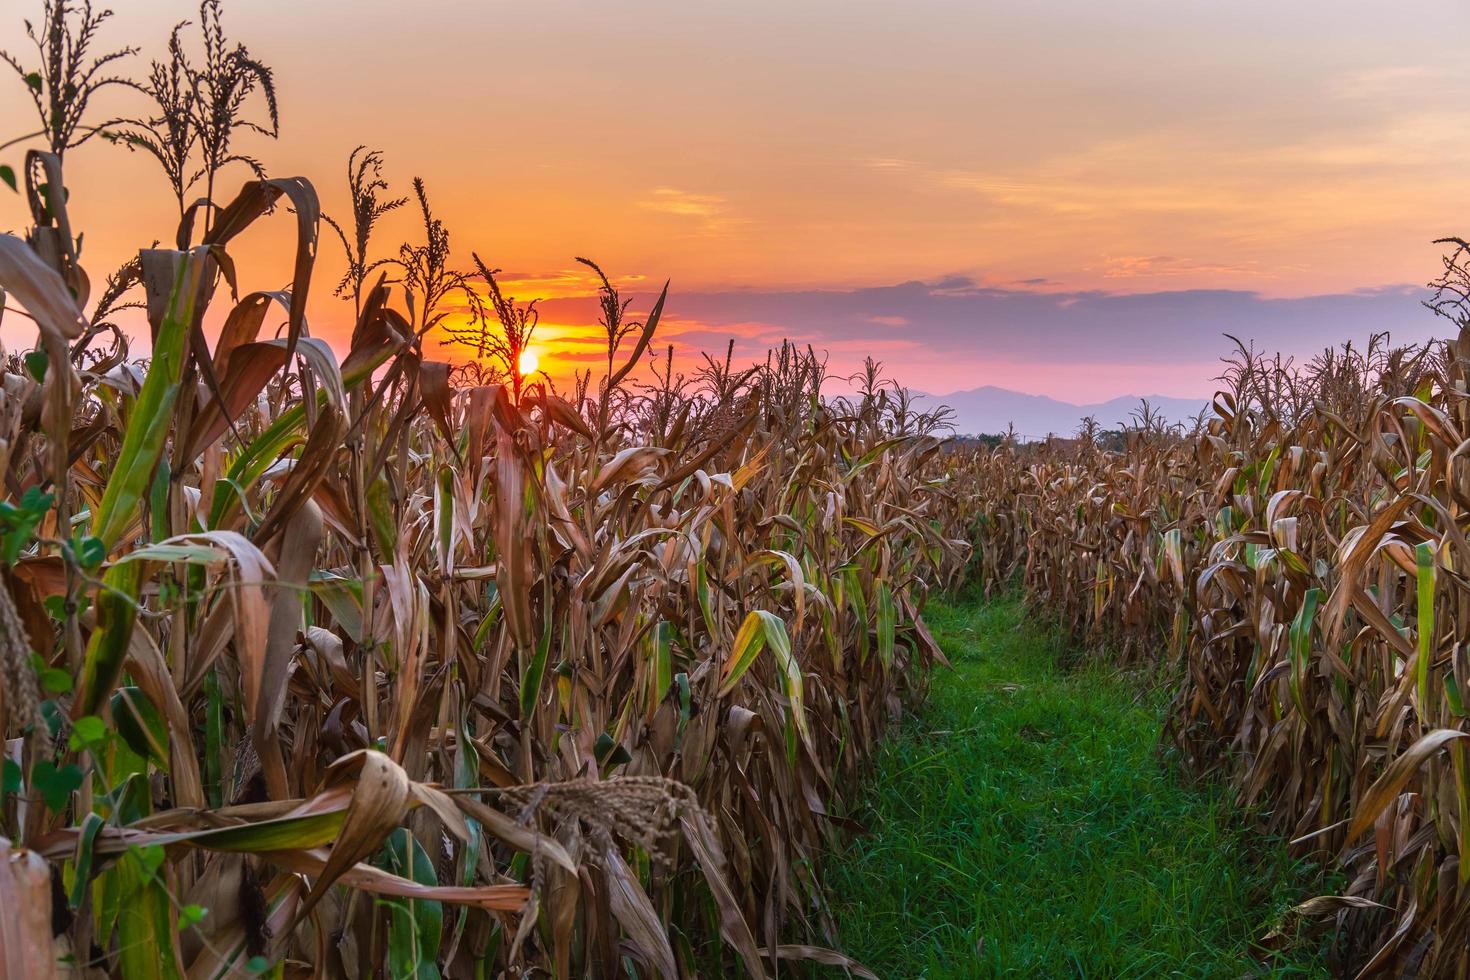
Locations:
{"points": [[1024, 826]]}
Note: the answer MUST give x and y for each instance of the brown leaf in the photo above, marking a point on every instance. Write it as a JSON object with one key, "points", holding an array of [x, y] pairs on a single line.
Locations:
{"points": [[711, 858], [1386, 788], [40, 290], [635, 913], [258, 197], [250, 369], [380, 800], [818, 954]]}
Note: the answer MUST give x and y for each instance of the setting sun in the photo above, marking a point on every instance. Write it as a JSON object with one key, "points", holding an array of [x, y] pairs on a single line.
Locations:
{"points": [[528, 362]]}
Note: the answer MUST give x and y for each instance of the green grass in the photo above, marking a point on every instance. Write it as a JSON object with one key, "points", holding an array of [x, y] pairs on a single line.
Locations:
{"points": [[1025, 825]]}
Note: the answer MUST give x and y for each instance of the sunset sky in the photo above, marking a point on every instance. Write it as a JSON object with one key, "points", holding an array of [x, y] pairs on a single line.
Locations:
{"points": [[1066, 198]]}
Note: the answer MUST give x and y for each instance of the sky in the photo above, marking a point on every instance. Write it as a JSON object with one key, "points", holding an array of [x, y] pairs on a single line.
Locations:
{"points": [[1061, 197]]}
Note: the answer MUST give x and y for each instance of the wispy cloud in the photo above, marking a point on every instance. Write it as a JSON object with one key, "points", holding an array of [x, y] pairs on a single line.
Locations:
{"points": [[569, 282], [1185, 186], [1165, 266], [710, 210], [890, 164]]}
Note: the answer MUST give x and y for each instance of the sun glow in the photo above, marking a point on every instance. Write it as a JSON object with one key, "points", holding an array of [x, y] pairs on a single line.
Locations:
{"points": [[528, 362]]}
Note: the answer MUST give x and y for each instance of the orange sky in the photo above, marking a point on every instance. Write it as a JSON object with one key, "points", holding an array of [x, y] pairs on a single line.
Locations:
{"points": [[790, 166]]}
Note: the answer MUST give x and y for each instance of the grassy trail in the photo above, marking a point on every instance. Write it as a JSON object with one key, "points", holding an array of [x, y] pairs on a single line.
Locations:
{"points": [[1024, 826]]}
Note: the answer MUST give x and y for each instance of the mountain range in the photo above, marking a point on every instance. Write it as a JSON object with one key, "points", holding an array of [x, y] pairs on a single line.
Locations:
{"points": [[992, 410]]}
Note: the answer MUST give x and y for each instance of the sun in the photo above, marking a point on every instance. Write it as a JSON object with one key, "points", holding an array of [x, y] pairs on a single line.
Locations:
{"points": [[528, 362]]}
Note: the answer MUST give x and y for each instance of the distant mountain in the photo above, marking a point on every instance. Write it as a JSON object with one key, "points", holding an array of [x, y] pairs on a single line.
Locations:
{"points": [[991, 410]]}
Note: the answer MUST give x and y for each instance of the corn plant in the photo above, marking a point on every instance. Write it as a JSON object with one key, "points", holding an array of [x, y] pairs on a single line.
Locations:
{"points": [[1293, 564], [313, 662]]}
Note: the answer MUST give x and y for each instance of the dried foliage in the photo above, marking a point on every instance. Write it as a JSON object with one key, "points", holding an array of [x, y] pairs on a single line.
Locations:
{"points": [[1297, 562], [326, 667]]}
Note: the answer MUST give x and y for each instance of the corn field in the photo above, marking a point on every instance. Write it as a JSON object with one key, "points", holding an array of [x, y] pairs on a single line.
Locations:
{"points": [[1296, 565], [364, 663], [395, 659]]}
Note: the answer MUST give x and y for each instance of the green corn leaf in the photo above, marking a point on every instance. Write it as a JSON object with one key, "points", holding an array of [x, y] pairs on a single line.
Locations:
{"points": [[663, 660], [706, 610], [380, 517], [871, 456], [749, 640], [262, 452], [760, 630], [188, 554], [792, 684], [444, 505], [416, 927], [280, 834], [1301, 629], [681, 680], [1452, 694], [887, 623], [148, 423], [535, 671], [140, 725], [1425, 579], [146, 926], [859, 604], [117, 611], [82, 861]]}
